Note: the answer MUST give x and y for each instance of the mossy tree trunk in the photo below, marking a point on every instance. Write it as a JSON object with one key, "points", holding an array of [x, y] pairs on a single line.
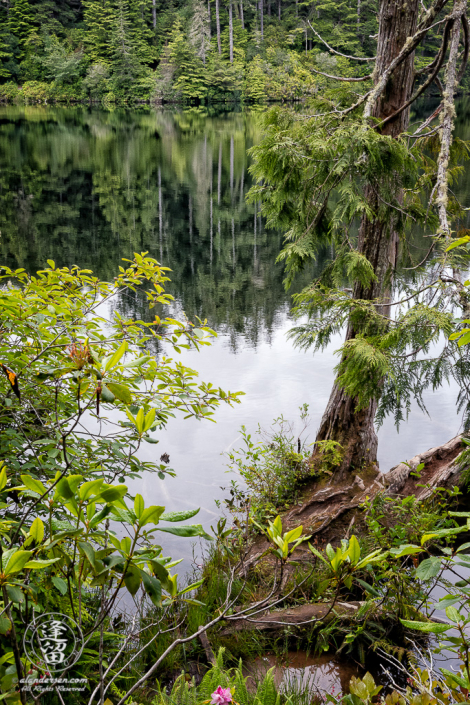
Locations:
{"points": [[378, 240]]}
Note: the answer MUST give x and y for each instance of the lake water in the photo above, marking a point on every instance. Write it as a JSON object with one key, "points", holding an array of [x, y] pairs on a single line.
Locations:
{"points": [[90, 187]]}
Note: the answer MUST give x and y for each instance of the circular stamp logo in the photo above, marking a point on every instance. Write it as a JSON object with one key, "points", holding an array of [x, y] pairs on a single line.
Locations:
{"points": [[53, 642]]}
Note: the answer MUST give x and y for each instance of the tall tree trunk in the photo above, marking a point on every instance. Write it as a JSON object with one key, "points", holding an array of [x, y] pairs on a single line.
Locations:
{"points": [[359, 20], [261, 18], [242, 19], [154, 14], [378, 240], [217, 25], [230, 29], [210, 19]]}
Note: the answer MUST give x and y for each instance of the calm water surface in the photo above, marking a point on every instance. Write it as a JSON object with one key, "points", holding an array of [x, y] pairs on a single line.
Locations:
{"points": [[89, 187]]}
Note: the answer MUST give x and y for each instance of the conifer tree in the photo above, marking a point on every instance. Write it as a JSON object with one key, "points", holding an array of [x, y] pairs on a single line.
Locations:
{"points": [[21, 22], [100, 19], [317, 175], [126, 61], [199, 31]]}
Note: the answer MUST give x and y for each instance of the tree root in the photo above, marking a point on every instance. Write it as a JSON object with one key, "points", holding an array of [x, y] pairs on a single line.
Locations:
{"points": [[323, 508]]}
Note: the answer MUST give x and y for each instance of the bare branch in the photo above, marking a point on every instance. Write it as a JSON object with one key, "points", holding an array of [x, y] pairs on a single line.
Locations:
{"points": [[340, 78], [408, 47], [439, 59], [354, 58]]}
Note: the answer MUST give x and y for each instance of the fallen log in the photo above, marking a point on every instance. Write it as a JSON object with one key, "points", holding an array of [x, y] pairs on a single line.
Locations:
{"points": [[301, 616], [441, 465]]}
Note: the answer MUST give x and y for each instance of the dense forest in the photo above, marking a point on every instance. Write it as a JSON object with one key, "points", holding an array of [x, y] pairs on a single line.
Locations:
{"points": [[115, 50]]}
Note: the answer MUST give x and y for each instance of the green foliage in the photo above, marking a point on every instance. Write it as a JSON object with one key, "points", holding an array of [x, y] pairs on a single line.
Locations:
{"points": [[62, 485], [272, 469], [186, 693], [61, 65], [21, 21]]}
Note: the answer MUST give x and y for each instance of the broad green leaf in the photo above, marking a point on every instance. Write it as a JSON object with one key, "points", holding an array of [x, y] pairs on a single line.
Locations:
{"points": [[89, 488], [139, 505], [151, 515], [426, 627], [140, 421], [3, 478], [354, 550], [179, 516], [37, 564], [120, 391], [457, 678], [63, 489], [15, 594], [32, 484], [152, 587], [189, 588], [149, 419], [114, 359], [160, 571], [37, 530], [293, 535], [330, 551], [111, 494], [428, 568], [441, 533], [277, 525], [5, 625], [98, 518], [106, 395], [189, 530], [88, 551], [126, 544], [457, 243], [368, 588], [132, 579], [60, 584], [137, 362], [17, 561], [407, 549], [453, 614]]}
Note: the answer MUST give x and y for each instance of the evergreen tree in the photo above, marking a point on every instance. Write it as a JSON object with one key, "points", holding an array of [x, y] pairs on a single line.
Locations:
{"points": [[199, 31], [127, 65], [99, 18], [21, 22], [10, 52]]}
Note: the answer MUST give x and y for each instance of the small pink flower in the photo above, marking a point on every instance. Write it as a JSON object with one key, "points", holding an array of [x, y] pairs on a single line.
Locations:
{"points": [[222, 696]]}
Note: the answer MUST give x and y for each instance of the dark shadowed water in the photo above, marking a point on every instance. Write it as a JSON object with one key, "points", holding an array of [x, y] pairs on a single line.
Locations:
{"points": [[90, 187]]}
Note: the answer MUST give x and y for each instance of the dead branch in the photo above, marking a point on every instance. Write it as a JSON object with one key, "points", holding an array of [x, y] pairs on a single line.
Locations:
{"points": [[340, 78], [354, 58], [440, 59], [466, 46], [409, 46]]}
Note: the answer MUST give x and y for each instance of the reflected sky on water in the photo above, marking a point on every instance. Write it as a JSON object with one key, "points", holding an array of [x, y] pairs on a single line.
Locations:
{"points": [[89, 187]]}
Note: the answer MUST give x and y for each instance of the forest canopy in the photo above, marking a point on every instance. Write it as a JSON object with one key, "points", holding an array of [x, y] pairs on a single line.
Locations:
{"points": [[180, 50]]}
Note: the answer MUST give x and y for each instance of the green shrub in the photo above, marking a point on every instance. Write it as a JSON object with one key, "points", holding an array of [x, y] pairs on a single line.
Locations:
{"points": [[9, 91]]}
